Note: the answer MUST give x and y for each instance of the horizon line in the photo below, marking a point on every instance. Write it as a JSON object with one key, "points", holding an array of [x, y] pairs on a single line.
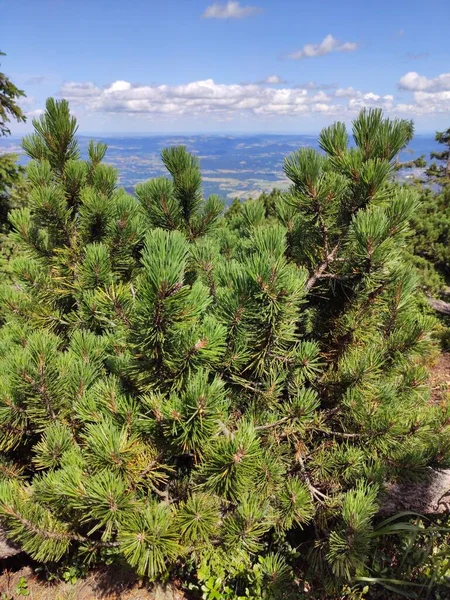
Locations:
{"points": [[195, 133]]}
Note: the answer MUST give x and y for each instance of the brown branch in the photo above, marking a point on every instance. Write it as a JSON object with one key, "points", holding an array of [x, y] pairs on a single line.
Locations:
{"points": [[338, 277], [163, 495], [50, 535], [270, 425], [149, 467], [344, 435], [315, 493], [318, 273]]}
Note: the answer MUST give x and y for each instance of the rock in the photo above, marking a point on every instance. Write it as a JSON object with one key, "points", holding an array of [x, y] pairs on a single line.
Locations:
{"points": [[166, 593], [439, 306], [7, 548], [428, 497]]}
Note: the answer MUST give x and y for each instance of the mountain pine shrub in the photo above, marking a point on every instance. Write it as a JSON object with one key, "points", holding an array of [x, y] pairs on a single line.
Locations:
{"points": [[221, 399]]}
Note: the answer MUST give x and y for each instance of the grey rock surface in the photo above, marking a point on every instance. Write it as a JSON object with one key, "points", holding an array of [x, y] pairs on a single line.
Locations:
{"points": [[431, 496], [7, 548]]}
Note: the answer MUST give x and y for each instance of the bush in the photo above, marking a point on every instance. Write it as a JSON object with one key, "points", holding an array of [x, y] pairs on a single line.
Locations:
{"points": [[218, 398]]}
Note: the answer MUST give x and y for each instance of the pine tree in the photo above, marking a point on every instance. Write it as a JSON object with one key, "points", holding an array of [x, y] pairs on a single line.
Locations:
{"points": [[9, 109], [441, 171], [186, 391], [10, 172], [430, 243]]}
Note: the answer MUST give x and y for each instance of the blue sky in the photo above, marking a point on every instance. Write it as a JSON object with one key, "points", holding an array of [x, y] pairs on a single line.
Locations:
{"points": [[152, 66]]}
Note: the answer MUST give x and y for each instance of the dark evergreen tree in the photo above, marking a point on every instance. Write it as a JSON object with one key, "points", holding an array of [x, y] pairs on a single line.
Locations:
{"points": [[430, 243], [10, 172], [441, 171], [9, 109], [185, 391]]}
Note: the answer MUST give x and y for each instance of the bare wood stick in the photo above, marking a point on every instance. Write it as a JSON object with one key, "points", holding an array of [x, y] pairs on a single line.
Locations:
{"points": [[321, 268]]}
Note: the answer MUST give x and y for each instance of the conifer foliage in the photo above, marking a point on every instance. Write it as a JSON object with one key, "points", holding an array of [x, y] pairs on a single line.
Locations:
{"points": [[10, 172], [441, 172], [183, 391]]}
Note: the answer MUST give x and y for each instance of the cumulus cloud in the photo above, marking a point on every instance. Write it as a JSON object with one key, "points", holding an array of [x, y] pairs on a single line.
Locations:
{"points": [[269, 80], [230, 10], [413, 82], [357, 99], [425, 103], [327, 45], [273, 79], [196, 98], [313, 85], [27, 101], [348, 92], [430, 95], [437, 101], [74, 90], [269, 98], [32, 114]]}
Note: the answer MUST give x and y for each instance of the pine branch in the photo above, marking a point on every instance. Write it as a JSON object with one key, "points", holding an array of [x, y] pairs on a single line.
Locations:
{"points": [[33, 528], [318, 273], [271, 425], [315, 493], [164, 495], [345, 435]]}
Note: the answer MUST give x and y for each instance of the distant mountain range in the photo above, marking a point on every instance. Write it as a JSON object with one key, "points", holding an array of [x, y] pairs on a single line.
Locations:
{"points": [[232, 166]]}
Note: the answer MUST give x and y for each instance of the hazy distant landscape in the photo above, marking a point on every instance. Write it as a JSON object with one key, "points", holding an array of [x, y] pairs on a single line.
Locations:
{"points": [[232, 166]]}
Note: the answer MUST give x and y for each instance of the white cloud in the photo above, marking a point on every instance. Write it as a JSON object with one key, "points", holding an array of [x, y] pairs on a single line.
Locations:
{"points": [[432, 102], [369, 97], [414, 82], [270, 98], [273, 79], [429, 95], [358, 100], [348, 92], [27, 101], [83, 90], [327, 45], [313, 85], [32, 114], [195, 98], [28, 105], [269, 80], [230, 10]]}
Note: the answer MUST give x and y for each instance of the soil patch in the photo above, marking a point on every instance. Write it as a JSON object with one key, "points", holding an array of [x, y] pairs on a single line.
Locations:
{"points": [[440, 379], [102, 584]]}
